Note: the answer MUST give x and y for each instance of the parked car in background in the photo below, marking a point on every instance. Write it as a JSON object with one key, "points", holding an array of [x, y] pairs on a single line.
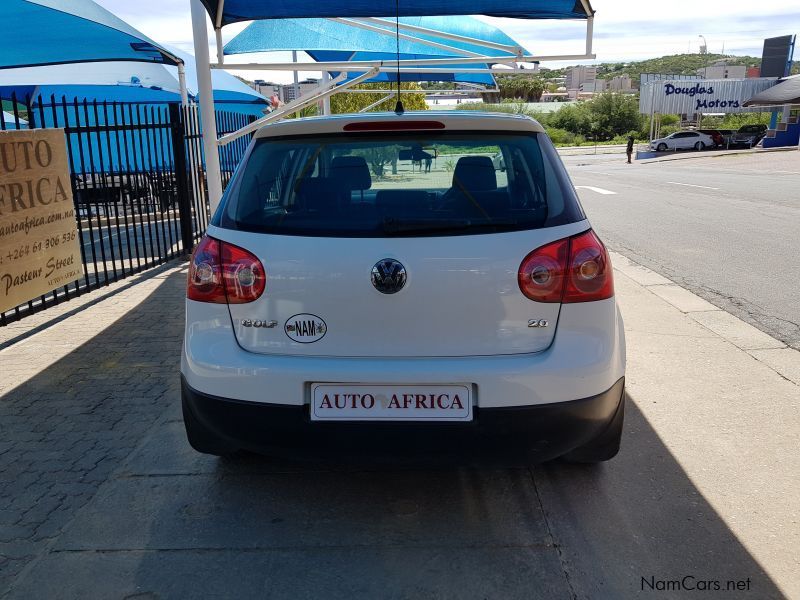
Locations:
{"points": [[682, 140], [727, 136], [330, 303], [749, 135], [719, 140]]}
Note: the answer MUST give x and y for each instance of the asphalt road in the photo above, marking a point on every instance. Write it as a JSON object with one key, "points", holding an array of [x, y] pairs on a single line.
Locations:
{"points": [[145, 236], [725, 227]]}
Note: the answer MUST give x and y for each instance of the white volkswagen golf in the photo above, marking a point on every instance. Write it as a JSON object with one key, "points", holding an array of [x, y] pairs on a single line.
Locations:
{"points": [[373, 281]]}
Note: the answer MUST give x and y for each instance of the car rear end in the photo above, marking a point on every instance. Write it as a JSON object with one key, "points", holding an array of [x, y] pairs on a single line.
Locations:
{"points": [[348, 295], [749, 135], [716, 136]]}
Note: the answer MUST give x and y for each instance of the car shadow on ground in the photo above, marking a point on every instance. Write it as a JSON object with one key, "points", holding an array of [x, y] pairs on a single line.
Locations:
{"points": [[638, 526], [170, 523]]}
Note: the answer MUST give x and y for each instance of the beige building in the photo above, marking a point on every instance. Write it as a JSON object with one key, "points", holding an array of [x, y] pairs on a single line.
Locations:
{"points": [[620, 83], [723, 72], [577, 77], [285, 92], [596, 86]]}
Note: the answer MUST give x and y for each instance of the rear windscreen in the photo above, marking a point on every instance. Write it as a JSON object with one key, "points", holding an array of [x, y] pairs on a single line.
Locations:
{"points": [[381, 185]]}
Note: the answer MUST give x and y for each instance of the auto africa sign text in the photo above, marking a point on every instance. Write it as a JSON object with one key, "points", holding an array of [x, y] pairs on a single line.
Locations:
{"points": [[700, 90]]}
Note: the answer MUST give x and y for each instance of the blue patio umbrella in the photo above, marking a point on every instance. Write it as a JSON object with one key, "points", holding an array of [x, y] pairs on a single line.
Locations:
{"points": [[48, 32], [224, 12], [125, 82], [326, 40]]}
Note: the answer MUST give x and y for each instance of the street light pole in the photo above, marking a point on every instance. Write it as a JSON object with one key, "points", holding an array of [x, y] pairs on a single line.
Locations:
{"points": [[705, 52], [705, 72]]}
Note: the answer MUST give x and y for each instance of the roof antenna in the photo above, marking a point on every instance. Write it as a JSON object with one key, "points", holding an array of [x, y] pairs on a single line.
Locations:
{"points": [[398, 108]]}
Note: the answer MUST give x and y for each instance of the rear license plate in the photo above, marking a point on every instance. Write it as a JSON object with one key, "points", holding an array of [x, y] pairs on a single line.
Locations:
{"points": [[368, 402]]}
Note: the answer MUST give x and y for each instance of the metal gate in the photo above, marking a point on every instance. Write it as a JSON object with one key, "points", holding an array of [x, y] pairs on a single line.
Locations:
{"points": [[138, 184]]}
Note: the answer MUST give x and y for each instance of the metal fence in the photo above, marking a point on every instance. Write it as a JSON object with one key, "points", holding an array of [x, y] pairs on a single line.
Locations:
{"points": [[231, 154], [138, 184]]}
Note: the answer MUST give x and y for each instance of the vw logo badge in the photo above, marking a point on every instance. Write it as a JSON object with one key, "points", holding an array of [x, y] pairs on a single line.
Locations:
{"points": [[388, 276]]}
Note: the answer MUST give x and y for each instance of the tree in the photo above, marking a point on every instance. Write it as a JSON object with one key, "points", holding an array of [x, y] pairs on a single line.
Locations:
{"points": [[534, 88], [525, 88], [614, 114], [353, 103], [575, 118]]}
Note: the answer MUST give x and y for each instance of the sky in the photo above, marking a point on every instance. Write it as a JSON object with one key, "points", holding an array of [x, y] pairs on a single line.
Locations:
{"points": [[624, 30]]}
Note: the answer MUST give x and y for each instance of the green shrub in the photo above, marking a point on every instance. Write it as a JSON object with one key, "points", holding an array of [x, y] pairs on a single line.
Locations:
{"points": [[560, 137]]}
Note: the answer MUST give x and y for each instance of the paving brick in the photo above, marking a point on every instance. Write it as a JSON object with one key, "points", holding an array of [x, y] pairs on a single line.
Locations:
{"points": [[72, 408]]}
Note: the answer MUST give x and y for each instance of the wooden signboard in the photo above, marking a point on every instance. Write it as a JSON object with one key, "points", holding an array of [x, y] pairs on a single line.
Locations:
{"points": [[39, 242]]}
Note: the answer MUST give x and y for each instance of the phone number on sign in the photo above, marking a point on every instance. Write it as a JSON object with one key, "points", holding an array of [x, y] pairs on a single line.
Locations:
{"points": [[46, 244]]}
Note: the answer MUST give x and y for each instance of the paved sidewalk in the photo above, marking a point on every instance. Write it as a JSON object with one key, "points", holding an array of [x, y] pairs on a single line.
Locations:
{"points": [[692, 155], [75, 399], [101, 497]]}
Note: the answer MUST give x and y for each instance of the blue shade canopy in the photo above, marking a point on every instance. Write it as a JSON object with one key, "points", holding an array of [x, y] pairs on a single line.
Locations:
{"points": [[125, 82], [326, 40], [224, 12], [316, 35], [50, 32]]}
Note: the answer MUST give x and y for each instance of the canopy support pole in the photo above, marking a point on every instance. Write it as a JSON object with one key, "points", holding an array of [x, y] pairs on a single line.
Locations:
{"points": [[378, 103], [391, 64], [326, 101], [589, 34], [206, 94], [516, 50], [182, 84], [220, 47], [296, 78], [310, 98]]}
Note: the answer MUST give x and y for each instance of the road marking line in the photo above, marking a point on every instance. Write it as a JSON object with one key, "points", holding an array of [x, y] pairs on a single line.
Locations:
{"points": [[594, 189], [705, 187]]}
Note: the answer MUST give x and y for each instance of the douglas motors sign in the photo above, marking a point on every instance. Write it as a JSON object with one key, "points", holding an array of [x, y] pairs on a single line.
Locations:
{"points": [[704, 96]]}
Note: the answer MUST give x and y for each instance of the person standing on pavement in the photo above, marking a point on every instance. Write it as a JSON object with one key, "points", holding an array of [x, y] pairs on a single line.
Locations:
{"points": [[629, 149]]}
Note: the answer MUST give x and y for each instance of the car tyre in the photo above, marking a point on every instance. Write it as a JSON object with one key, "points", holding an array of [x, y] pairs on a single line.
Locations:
{"points": [[699, 146], [605, 446], [201, 438], [661, 147]]}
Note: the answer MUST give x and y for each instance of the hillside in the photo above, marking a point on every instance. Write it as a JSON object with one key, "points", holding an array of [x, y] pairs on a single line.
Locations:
{"points": [[676, 64]]}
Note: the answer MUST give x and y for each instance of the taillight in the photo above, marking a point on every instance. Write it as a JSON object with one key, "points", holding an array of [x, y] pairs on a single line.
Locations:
{"points": [[590, 274], [220, 272], [541, 274], [205, 273], [575, 269]]}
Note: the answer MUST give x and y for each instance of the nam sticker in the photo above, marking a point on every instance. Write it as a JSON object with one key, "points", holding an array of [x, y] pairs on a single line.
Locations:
{"points": [[305, 328]]}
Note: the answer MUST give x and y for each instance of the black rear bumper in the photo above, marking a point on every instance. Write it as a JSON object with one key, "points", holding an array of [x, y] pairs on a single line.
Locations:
{"points": [[548, 430]]}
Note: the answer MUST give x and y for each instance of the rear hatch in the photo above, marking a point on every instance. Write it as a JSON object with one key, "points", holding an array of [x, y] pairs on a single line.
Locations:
{"points": [[461, 296], [397, 245]]}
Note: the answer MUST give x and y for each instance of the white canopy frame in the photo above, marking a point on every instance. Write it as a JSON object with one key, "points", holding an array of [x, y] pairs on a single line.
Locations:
{"points": [[367, 69]]}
